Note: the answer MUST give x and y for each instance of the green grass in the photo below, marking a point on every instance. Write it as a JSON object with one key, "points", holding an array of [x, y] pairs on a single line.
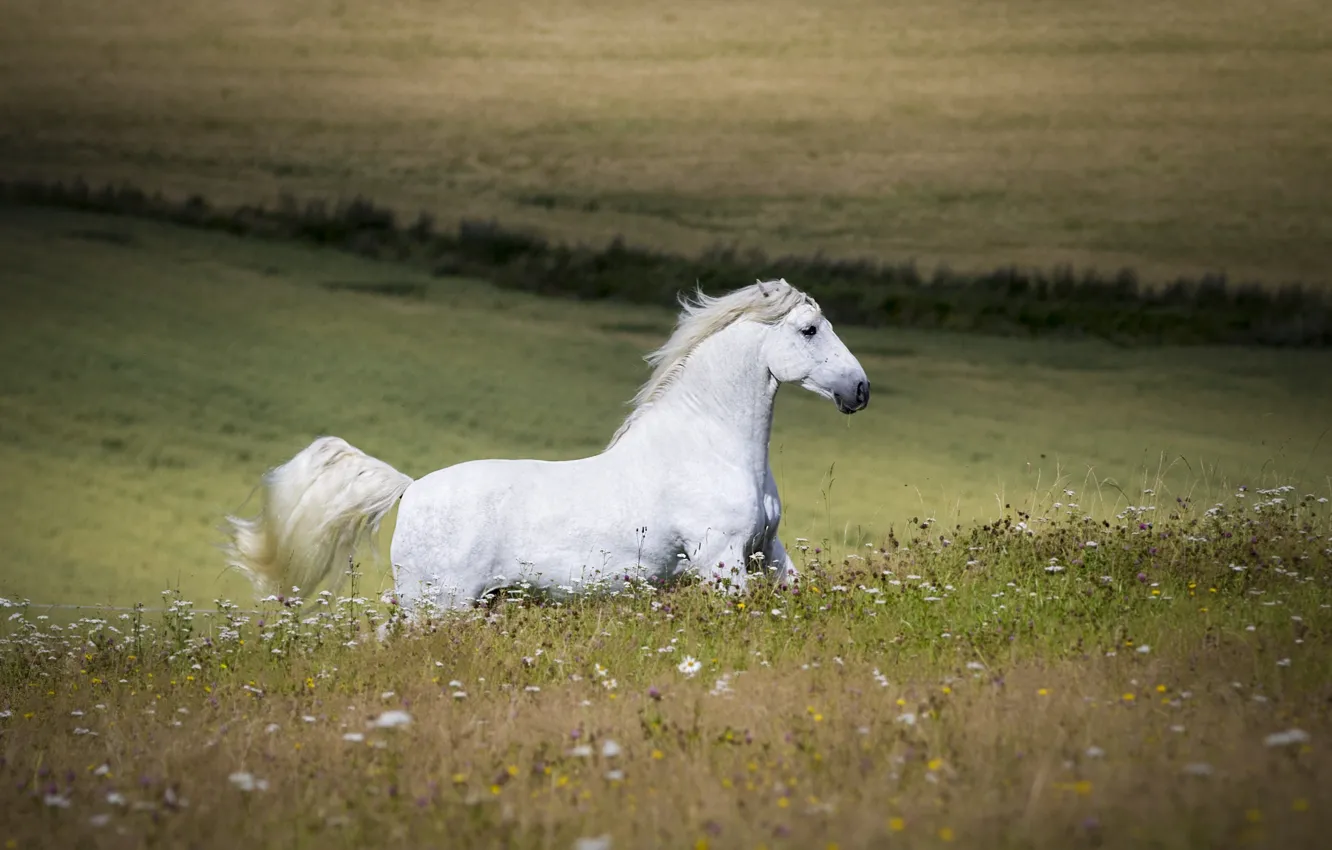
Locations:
{"points": [[149, 375], [1094, 134]]}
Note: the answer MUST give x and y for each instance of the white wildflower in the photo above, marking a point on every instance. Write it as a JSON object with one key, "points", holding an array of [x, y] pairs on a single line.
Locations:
{"points": [[1283, 739], [392, 720], [247, 782]]}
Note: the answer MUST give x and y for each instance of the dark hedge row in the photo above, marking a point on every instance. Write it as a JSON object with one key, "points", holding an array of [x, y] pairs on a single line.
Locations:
{"points": [[864, 292]]}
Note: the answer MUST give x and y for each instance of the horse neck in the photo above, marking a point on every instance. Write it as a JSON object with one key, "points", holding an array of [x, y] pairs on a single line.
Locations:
{"points": [[722, 401]]}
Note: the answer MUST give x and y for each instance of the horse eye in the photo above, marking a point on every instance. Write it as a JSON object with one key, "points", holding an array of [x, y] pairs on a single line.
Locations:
{"points": [[810, 331]]}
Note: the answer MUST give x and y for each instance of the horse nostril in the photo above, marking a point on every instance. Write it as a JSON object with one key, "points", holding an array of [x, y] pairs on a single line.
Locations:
{"points": [[862, 392]]}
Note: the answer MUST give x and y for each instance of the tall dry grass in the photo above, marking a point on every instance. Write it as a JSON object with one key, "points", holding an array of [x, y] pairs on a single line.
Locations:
{"points": [[1038, 681]]}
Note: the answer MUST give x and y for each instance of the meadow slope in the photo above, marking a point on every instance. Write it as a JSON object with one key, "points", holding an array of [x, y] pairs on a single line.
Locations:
{"points": [[150, 374], [1173, 140]]}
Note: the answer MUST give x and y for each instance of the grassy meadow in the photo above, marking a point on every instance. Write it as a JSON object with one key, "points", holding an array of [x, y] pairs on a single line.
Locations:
{"points": [[149, 375], [1046, 680], [1171, 139]]}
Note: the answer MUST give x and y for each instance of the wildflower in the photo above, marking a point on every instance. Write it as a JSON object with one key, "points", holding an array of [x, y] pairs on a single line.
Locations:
{"points": [[247, 782], [1290, 736], [1144, 649], [600, 842], [1285, 662], [392, 720], [610, 749], [615, 775], [581, 751], [896, 824], [354, 737], [271, 728], [1095, 752], [907, 718], [99, 820], [56, 801], [689, 666], [945, 834]]}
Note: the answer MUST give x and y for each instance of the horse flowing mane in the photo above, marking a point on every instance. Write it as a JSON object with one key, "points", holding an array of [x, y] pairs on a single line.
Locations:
{"points": [[701, 316]]}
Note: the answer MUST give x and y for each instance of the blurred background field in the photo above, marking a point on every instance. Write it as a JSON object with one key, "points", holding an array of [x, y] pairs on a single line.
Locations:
{"points": [[1171, 138], [149, 375]]}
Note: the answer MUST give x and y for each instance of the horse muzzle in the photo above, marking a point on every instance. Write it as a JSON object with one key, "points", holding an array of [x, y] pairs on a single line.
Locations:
{"points": [[851, 403]]}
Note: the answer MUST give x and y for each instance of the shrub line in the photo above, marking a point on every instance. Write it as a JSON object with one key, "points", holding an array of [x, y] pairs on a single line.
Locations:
{"points": [[1006, 301]]}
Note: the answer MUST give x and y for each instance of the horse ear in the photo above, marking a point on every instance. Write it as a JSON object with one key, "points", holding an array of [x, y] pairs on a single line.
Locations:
{"points": [[763, 288]]}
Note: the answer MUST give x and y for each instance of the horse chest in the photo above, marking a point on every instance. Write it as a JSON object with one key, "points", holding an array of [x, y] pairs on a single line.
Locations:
{"points": [[734, 507]]}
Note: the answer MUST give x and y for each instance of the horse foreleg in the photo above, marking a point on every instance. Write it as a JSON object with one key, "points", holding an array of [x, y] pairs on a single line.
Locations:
{"points": [[721, 560], [779, 562]]}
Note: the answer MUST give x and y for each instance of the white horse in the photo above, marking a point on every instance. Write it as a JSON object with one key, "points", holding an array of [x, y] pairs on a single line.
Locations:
{"points": [[684, 486]]}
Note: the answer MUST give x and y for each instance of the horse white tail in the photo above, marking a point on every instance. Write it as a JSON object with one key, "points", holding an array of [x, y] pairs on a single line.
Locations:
{"points": [[316, 508]]}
